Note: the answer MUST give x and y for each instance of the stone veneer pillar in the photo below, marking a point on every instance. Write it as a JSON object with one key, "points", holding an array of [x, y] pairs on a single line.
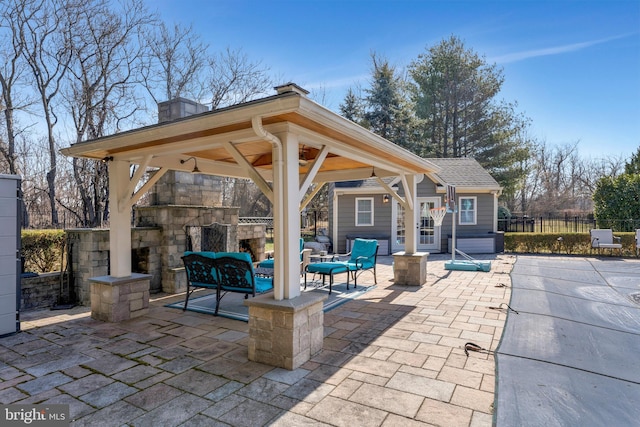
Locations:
{"points": [[410, 269], [285, 333], [114, 299]]}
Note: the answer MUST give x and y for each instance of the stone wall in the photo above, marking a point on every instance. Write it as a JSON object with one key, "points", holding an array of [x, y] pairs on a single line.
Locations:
{"points": [[41, 291], [89, 257]]}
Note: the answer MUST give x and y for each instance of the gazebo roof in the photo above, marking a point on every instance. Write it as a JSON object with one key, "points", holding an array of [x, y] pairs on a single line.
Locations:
{"points": [[284, 143], [217, 138]]}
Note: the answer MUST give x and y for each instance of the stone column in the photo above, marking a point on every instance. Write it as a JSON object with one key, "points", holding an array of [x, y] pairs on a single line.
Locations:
{"points": [[114, 299], [285, 333], [410, 269]]}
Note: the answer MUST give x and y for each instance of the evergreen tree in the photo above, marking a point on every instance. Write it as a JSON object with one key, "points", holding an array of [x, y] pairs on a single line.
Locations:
{"points": [[388, 112], [352, 107], [616, 204], [633, 165], [454, 91]]}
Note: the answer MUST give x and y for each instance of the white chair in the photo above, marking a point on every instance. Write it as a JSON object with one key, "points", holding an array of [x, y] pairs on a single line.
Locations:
{"points": [[604, 238]]}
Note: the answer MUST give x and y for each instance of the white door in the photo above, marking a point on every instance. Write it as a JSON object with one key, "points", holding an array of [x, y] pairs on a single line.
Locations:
{"points": [[428, 235]]}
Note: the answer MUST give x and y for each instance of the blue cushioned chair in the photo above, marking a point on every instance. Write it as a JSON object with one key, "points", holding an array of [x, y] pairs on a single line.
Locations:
{"points": [[361, 258], [268, 263]]}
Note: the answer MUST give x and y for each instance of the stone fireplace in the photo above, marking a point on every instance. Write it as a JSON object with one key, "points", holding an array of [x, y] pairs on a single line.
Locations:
{"points": [[252, 238]]}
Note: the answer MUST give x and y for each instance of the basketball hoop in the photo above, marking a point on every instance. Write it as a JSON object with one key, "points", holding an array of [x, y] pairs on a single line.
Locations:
{"points": [[437, 214]]}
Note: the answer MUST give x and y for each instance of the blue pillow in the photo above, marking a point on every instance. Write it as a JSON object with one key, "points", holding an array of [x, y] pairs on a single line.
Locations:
{"points": [[267, 263]]}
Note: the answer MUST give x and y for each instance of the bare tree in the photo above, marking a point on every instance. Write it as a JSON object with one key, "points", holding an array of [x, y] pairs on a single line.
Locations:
{"points": [[100, 91], [45, 28], [175, 62], [233, 78], [612, 166], [11, 78]]}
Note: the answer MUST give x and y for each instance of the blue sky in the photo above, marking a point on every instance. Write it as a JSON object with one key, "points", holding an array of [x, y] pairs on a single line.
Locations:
{"points": [[572, 66]]}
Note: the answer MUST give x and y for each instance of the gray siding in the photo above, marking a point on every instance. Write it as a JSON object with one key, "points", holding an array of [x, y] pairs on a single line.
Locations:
{"points": [[347, 220], [484, 220], [383, 216]]}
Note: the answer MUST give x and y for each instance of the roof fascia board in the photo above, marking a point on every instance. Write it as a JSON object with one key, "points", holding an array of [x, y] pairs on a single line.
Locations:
{"points": [[358, 190], [197, 123], [469, 189], [436, 179], [198, 144]]}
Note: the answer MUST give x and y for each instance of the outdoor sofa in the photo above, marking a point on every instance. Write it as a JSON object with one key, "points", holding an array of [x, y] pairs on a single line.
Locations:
{"points": [[223, 272]]}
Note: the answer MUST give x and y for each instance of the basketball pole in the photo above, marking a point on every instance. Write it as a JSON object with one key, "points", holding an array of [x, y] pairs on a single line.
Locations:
{"points": [[453, 232], [468, 264]]}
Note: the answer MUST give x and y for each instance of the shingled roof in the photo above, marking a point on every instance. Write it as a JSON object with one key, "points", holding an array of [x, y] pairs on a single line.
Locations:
{"points": [[464, 172]]}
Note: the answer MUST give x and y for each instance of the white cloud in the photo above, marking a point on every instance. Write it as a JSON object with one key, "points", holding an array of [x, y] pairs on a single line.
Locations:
{"points": [[554, 50]]}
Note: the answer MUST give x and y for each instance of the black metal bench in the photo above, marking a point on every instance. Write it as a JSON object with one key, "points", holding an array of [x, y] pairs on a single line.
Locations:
{"points": [[223, 272]]}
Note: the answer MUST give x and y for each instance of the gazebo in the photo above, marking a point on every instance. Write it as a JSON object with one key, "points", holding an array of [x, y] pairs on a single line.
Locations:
{"points": [[284, 143]]}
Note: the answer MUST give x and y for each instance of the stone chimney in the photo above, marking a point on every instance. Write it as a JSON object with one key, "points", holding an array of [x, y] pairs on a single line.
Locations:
{"points": [[183, 188], [291, 87], [178, 108]]}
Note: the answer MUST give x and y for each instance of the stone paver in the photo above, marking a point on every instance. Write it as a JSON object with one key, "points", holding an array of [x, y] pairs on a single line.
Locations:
{"points": [[85, 385], [394, 357], [108, 394]]}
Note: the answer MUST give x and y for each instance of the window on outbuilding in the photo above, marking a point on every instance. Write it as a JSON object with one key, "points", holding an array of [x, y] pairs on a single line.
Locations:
{"points": [[364, 211], [468, 210]]}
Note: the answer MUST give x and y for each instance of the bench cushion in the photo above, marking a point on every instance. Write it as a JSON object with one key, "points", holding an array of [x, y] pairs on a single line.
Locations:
{"points": [[243, 256], [263, 284], [363, 248]]}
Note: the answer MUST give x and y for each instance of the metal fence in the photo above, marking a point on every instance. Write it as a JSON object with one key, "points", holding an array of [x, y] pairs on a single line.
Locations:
{"points": [[563, 224]]}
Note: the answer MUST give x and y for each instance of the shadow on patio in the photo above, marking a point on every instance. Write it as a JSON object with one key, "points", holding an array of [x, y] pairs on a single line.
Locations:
{"points": [[395, 356]]}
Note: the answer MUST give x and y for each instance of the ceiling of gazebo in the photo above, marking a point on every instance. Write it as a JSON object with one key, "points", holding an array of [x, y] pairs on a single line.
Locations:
{"points": [[352, 152]]}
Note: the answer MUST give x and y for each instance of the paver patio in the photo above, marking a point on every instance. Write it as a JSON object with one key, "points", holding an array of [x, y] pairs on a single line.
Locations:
{"points": [[393, 357]]}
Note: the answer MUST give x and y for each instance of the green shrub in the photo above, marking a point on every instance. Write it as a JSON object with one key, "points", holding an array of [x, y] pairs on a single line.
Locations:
{"points": [[562, 243], [43, 250]]}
